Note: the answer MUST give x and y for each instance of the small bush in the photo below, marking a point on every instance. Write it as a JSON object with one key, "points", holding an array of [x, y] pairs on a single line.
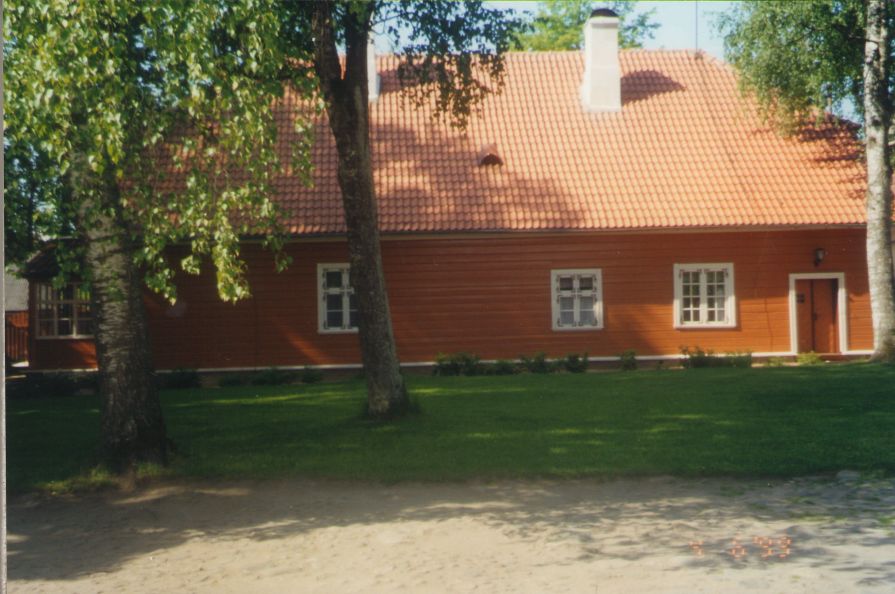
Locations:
{"points": [[309, 375], [457, 364], [272, 377], [628, 360], [575, 363], [698, 358], [810, 358], [774, 362], [38, 385], [232, 380], [537, 363], [503, 367], [741, 360], [178, 379]]}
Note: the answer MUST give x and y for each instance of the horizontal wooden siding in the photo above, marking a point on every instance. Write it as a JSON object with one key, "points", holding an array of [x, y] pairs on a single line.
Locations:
{"points": [[491, 296]]}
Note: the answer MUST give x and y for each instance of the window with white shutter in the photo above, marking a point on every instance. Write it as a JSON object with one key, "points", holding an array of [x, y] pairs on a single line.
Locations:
{"points": [[337, 307], [577, 299]]}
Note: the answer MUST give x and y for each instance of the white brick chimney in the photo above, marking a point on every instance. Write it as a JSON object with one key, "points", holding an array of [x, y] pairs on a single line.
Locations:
{"points": [[601, 89], [372, 76]]}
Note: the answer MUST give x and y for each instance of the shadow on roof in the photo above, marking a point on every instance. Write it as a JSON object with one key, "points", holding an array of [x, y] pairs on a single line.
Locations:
{"points": [[645, 84]]}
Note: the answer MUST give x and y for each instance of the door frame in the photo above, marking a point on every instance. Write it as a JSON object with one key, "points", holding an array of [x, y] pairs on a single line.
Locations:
{"points": [[841, 303]]}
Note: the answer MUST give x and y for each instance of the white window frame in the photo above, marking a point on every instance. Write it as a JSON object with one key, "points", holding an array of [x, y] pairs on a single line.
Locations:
{"points": [[53, 304], [347, 290], [730, 307], [597, 294]]}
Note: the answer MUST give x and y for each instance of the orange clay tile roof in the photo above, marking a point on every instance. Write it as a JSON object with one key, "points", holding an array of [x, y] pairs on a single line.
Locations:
{"points": [[685, 151]]}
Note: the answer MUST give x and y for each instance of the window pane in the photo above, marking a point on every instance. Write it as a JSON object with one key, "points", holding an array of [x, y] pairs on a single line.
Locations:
{"points": [[334, 319], [333, 279], [64, 328], [566, 283], [66, 310], [85, 327], [586, 303], [567, 318], [567, 303], [588, 318], [334, 302], [586, 283], [45, 328]]}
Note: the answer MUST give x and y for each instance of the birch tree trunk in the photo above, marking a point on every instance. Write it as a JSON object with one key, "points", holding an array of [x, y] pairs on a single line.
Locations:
{"points": [[133, 429], [878, 115], [348, 110]]}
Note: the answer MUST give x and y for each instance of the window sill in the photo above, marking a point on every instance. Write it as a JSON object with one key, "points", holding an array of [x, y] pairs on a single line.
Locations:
{"points": [[724, 326]]}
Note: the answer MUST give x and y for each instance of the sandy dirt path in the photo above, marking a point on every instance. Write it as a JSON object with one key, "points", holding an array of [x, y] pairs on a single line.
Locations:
{"points": [[633, 535]]}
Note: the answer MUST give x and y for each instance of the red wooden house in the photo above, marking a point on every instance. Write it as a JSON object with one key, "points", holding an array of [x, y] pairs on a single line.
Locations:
{"points": [[604, 201]]}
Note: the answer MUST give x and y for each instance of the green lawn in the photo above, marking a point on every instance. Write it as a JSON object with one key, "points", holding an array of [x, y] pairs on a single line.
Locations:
{"points": [[769, 421]]}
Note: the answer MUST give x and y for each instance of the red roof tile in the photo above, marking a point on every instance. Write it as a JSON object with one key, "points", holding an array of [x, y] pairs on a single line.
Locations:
{"points": [[685, 151]]}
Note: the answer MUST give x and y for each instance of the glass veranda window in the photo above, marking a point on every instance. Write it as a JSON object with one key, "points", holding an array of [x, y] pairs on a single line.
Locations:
{"points": [[64, 312]]}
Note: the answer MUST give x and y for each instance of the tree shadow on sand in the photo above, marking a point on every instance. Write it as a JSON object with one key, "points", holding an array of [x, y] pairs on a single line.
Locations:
{"points": [[705, 524]]}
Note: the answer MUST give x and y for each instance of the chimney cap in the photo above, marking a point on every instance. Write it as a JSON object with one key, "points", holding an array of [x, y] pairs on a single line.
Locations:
{"points": [[603, 12]]}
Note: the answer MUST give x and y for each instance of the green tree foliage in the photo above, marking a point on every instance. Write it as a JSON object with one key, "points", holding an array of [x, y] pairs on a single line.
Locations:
{"points": [[103, 97], [132, 87], [558, 24], [800, 59]]}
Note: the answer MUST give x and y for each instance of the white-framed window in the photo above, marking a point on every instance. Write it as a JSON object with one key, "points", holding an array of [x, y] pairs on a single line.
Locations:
{"points": [[63, 313], [337, 306], [703, 296], [577, 296]]}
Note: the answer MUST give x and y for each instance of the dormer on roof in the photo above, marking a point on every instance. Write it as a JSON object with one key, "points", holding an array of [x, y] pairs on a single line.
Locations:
{"points": [[601, 88], [488, 155]]}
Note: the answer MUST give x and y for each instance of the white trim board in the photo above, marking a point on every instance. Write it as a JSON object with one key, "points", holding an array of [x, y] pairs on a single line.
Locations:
{"points": [[841, 304], [350, 366]]}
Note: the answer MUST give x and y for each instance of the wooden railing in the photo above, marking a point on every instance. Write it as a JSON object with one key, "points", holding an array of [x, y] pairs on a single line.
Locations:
{"points": [[17, 336]]}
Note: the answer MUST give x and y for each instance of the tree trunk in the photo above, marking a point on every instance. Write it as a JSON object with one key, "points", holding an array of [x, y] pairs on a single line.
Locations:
{"points": [[877, 115], [348, 111], [133, 429]]}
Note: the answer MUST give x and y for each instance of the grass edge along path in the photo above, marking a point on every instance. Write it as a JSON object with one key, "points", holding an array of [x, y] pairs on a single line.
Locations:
{"points": [[706, 422]]}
